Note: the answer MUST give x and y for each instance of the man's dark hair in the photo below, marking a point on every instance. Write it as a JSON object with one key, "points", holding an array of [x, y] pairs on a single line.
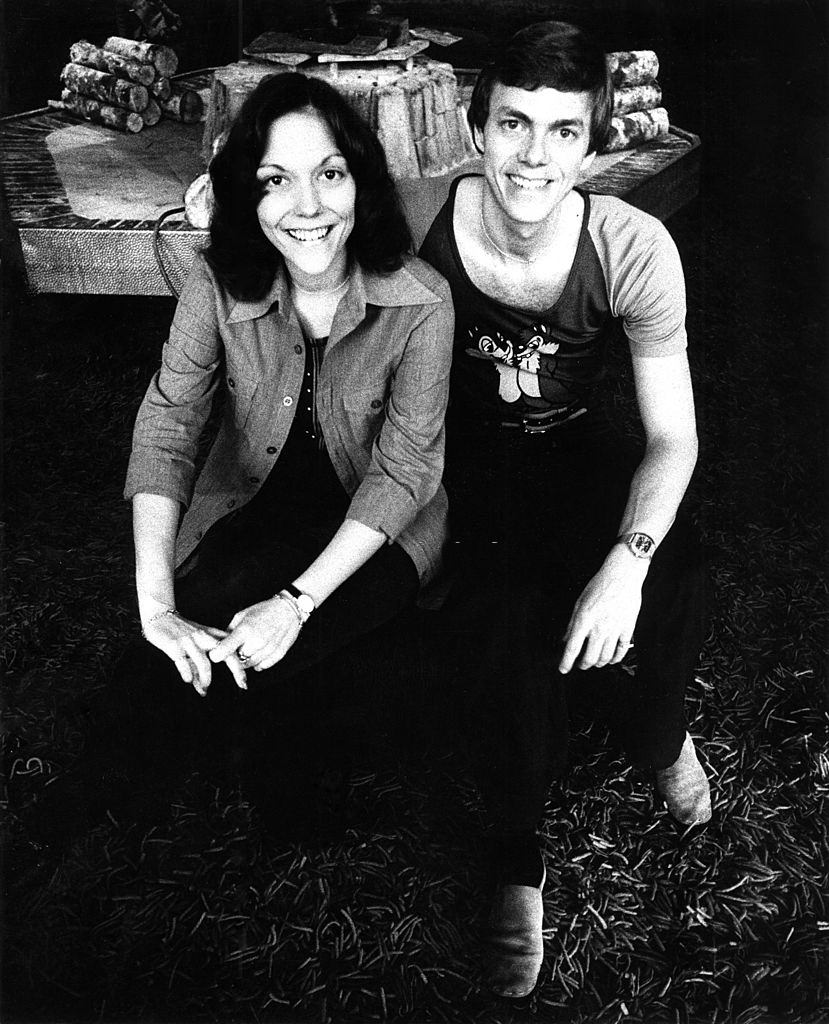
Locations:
{"points": [[239, 253], [555, 55]]}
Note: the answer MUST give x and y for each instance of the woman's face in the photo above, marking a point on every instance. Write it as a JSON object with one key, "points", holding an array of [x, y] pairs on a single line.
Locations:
{"points": [[307, 205]]}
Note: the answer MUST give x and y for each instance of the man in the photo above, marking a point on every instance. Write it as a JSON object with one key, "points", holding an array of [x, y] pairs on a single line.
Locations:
{"points": [[566, 546]]}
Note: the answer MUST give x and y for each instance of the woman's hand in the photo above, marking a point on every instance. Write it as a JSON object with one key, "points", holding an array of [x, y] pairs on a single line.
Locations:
{"points": [[186, 644], [260, 635]]}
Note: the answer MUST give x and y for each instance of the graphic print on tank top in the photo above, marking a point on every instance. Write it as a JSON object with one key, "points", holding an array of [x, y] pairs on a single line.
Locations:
{"points": [[526, 365]]}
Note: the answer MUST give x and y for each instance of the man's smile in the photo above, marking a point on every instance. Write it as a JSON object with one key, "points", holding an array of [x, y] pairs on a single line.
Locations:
{"points": [[528, 183]]}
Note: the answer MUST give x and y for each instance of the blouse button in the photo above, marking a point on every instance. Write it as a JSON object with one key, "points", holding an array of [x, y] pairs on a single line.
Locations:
{"points": [[254, 479], [231, 503], [298, 349], [376, 403], [287, 400], [271, 450], [231, 383]]}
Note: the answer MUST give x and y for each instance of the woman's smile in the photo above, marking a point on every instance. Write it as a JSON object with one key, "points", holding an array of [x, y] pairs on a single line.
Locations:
{"points": [[308, 194]]}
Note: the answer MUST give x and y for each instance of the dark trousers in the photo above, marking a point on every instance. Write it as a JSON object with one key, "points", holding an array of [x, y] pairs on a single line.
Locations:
{"points": [[152, 728], [533, 517]]}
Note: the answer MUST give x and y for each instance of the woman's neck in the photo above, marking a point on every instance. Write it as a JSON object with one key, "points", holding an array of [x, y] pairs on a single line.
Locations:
{"points": [[316, 307]]}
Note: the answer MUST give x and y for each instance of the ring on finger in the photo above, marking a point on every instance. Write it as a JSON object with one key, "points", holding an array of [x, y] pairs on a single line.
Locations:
{"points": [[625, 643]]}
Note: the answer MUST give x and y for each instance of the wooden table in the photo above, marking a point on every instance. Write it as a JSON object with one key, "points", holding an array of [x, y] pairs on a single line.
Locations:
{"points": [[67, 247]]}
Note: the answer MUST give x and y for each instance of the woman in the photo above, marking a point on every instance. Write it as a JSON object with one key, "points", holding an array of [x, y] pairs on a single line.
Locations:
{"points": [[318, 514]]}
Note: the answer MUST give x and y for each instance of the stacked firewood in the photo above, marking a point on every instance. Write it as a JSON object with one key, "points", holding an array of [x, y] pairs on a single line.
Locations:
{"points": [[125, 85], [638, 114]]}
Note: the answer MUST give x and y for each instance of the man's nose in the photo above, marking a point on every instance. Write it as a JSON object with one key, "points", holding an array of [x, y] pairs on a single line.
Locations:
{"points": [[535, 152]]}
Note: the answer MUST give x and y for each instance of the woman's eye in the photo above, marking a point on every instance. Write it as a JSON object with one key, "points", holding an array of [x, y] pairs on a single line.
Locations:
{"points": [[511, 125], [272, 181], [333, 174]]}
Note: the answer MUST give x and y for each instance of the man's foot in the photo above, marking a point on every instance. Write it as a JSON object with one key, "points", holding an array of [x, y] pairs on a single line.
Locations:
{"points": [[515, 945], [684, 787]]}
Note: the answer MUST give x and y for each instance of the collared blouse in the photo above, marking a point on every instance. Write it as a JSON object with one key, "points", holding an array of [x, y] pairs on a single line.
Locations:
{"points": [[381, 400]]}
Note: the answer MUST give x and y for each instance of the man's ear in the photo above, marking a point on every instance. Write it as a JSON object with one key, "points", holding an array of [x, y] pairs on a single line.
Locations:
{"points": [[588, 160], [478, 139]]}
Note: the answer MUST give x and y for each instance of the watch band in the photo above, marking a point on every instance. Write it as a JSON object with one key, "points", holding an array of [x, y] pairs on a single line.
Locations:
{"points": [[304, 602], [640, 545]]}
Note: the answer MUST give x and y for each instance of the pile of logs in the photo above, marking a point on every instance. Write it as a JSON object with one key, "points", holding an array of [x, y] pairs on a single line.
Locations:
{"points": [[125, 85], [638, 114]]}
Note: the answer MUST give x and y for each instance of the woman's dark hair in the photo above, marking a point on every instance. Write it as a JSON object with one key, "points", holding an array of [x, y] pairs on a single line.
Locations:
{"points": [[239, 253], [555, 55]]}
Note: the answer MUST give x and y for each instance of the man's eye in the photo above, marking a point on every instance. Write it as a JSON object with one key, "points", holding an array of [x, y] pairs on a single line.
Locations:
{"points": [[566, 133], [511, 124]]}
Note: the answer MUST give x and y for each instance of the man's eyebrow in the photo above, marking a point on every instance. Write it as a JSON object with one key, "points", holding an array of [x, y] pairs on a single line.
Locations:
{"points": [[518, 115]]}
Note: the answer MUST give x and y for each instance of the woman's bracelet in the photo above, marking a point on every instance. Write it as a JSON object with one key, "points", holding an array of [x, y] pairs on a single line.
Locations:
{"points": [[283, 595], [158, 615]]}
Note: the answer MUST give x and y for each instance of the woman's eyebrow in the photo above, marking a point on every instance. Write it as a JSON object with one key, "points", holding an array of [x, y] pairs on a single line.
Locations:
{"points": [[334, 155]]}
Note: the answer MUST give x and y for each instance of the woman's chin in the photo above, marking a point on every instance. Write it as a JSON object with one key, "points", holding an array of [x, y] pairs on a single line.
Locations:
{"points": [[320, 269]]}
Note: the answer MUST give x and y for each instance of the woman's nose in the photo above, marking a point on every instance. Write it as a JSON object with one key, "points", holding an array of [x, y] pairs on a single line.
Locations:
{"points": [[307, 200]]}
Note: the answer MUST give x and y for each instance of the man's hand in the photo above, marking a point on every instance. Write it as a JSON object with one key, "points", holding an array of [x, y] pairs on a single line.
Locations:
{"points": [[186, 644], [261, 635], [603, 620]]}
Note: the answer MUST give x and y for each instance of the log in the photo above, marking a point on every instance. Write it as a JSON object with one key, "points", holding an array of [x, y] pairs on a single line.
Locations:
{"points": [[183, 105], [162, 58], [632, 67], [99, 113], [230, 88], [117, 92], [152, 113], [633, 129], [94, 57], [161, 89], [637, 97]]}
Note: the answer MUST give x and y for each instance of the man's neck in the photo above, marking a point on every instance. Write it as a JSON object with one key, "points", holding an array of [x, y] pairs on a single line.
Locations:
{"points": [[516, 240]]}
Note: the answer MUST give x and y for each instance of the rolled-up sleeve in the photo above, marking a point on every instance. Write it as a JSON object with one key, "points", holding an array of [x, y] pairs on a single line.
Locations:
{"points": [[177, 403], [407, 455]]}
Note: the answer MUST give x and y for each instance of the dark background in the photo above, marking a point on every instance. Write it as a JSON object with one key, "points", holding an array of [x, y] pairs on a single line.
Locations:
{"points": [[730, 925]]}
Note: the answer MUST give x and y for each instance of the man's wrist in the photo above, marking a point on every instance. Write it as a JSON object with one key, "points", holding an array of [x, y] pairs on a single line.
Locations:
{"points": [[640, 545]]}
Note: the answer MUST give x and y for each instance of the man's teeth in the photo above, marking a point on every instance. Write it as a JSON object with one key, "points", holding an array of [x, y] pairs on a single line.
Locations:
{"points": [[528, 182], [308, 234]]}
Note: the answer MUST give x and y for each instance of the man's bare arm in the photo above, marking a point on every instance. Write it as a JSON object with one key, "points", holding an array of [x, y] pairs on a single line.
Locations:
{"points": [[605, 614]]}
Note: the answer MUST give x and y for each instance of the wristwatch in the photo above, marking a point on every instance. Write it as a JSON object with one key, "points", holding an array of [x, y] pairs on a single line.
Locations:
{"points": [[304, 602], [640, 545]]}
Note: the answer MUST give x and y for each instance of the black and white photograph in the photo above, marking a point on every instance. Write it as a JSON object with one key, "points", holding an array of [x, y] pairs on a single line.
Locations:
{"points": [[414, 488]]}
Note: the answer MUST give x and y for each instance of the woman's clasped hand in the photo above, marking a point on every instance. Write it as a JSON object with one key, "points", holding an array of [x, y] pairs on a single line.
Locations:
{"points": [[187, 645], [260, 636]]}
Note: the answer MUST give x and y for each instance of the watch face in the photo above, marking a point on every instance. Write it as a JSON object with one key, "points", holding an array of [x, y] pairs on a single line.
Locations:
{"points": [[306, 604], [640, 544]]}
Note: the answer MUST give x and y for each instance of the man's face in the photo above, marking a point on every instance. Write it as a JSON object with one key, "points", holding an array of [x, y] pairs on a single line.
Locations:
{"points": [[535, 148]]}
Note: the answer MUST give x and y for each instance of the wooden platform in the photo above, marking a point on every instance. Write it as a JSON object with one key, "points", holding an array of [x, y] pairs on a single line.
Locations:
{"points": [[98, 252]]}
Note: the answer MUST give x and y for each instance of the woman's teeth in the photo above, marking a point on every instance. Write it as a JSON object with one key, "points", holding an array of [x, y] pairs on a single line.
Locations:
{"points": [[308, 234]]}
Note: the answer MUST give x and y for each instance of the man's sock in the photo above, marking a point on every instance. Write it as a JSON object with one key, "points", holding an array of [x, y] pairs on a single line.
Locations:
{"points": [[516, 858], [684, 787]]}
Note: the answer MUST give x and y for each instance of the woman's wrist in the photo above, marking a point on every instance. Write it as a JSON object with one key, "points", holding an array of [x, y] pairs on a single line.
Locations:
{"points": [[160, 614]]}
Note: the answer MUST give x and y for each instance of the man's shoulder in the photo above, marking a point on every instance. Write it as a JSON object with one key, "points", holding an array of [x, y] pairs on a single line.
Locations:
{"points": [[611, 215], [623, 235], [423, 199]]}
